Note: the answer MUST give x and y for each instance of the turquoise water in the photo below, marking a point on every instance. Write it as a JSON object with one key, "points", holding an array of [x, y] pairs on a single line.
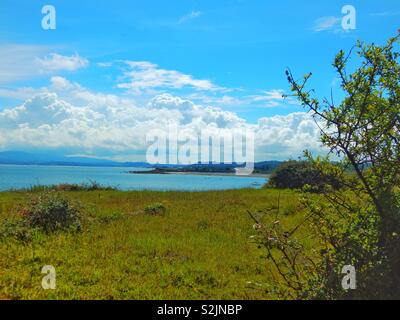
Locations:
{"points": [[18, 177]]}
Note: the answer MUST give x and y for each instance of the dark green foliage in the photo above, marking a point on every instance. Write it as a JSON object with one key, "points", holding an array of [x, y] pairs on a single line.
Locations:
{"points": [[91, 186], [50, 212], [111, 217], [203, 225], [297, 174], [157, 209], [16, 229]]}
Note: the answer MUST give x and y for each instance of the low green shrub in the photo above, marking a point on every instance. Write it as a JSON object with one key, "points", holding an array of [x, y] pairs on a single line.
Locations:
{"points": [[114, 216], [51, 212], [90, 186], [157, 209], [203, 225], [15, 228], [298, 174]]}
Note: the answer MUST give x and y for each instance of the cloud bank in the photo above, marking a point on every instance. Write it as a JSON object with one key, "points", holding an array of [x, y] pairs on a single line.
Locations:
{"points": [[69, 116]]}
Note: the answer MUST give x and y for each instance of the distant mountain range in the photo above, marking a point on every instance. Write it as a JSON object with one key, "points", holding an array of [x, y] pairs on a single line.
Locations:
{"points": [[25, 158]]}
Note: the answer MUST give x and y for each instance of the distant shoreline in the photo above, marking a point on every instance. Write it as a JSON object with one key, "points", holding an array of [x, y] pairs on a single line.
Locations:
{"points": [[222, 174], [198, 173]]}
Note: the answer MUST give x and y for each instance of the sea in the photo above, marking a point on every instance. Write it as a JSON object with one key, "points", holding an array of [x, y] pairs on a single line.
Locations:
{"points": [[25, 176]]}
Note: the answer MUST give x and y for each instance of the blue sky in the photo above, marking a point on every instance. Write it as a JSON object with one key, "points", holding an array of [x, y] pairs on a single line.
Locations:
{"points": [[229, 55]]}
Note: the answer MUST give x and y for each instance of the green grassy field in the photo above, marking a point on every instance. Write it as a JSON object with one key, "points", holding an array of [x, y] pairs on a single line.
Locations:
{"points": [[200, 249]]}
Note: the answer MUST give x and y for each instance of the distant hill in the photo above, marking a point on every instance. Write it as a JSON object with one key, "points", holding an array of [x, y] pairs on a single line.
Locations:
{"points": [[16, 157], [259, 167], [25, 158], [266, 166]]}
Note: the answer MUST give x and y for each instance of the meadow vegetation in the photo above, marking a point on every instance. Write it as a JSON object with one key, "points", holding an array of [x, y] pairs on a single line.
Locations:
{"points": [[139, 244]]}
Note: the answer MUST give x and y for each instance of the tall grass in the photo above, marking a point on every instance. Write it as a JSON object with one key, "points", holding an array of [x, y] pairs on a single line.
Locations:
{"points": [[201, 249], [89, 186]]}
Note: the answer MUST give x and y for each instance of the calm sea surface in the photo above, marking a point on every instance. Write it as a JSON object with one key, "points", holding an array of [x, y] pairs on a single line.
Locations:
{"points": [[17, 177]]}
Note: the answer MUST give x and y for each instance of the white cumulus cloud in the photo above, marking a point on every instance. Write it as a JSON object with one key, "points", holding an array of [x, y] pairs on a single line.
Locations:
{"points": [[21, 62], [144, 75], [56, 62], [100, 123]]}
